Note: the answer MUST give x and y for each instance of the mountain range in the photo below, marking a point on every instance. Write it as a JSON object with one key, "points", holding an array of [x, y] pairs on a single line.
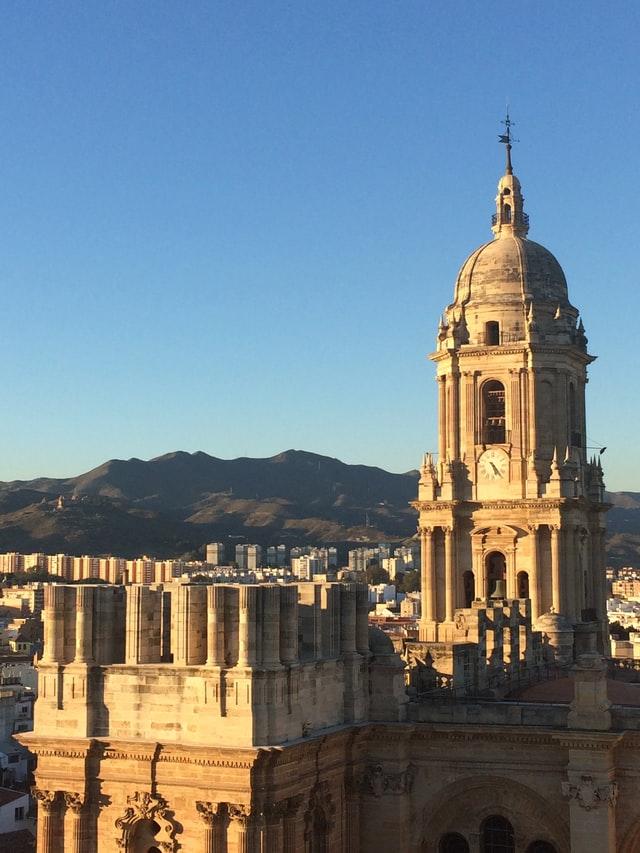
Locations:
{"points": [[174, 504]]}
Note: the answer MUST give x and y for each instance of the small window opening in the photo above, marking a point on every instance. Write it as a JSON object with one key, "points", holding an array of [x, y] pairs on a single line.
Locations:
{"points": [[506, 191], [492, 333], [496, 566], [523, 585], [493, 413], [497, 836], [507, 213]]}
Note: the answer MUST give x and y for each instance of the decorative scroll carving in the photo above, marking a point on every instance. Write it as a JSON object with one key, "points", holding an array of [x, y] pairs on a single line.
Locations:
{"points": [[74, 801], [590, 795], [46, 799], [145, 806], [377, 781], [210, 812], [239, 812]]}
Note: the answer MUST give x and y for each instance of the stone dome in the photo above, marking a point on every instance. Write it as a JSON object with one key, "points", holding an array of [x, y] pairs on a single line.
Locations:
{"points": [[511, 267], [510, 289]]}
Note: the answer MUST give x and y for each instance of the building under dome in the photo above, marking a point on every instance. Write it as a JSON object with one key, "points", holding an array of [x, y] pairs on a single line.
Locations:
{"points": [[247, 719]]}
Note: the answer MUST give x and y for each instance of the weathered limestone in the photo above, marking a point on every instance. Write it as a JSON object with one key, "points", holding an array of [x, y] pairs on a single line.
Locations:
{"points": [[237, 666]]}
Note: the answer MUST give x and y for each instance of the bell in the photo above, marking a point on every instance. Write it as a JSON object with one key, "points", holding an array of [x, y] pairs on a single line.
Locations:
{"points": [[499, 591]]}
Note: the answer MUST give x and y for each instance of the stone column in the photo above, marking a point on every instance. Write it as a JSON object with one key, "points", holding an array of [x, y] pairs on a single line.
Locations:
{"points": [[290, 825], [48, 837], [75, 804], [455, 416], [429, 595], [247, 626], [534, 577], [270, 626], [347, 619], [442, 421], [289, 624], [449, 544], [362, 619], [531, 376], [242, 828], [215, 625], [212, 815], [84, 624], [273, 827], [53, 617], [556, 591]]}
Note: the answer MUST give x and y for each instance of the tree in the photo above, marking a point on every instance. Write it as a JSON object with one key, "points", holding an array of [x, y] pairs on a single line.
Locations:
{"points": [[409, 581], [377, 575]]}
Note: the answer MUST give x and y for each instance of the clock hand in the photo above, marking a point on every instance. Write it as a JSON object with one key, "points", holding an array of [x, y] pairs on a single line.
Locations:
{"points": [[498, 474]]}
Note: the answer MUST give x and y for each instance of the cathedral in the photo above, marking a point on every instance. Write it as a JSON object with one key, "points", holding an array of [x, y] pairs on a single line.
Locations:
{"points": [[273, 719]]}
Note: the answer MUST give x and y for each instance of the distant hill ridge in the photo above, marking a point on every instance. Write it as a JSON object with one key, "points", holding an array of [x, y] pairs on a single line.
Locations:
{"points": [[175, 503]]}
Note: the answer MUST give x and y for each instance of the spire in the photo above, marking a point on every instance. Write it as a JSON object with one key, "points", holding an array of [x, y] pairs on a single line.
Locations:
{"points": [[509, 217], [505, 138]]}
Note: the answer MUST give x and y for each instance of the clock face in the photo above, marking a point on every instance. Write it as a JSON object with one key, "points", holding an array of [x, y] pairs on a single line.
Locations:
{"points": [[494, 465]]}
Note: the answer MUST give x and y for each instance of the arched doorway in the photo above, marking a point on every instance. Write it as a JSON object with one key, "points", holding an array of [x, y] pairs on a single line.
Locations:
{"points": [[469, 587], [496, 570], [523, 584]]}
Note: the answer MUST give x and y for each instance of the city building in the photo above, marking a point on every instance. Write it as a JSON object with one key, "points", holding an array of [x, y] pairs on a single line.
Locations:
{"points": [[245, 718], [215, 554]]}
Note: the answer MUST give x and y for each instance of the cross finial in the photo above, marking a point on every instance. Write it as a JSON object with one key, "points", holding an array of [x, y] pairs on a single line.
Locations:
{"points": [[506, 139]]}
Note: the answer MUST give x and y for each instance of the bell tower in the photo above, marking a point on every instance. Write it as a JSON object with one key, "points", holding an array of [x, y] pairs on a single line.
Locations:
{"points": [[512, 507]]}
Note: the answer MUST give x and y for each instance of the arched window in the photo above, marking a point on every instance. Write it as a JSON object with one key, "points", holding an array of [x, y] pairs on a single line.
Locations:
{"points": [[496, 835], [493, 413], [541, 847], [496, 566], [523, 584], [507, 213], [453, 842], [469, 584], [492, 333]]}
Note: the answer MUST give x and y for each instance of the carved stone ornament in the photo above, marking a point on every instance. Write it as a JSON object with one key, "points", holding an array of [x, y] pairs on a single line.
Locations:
{"points": [[378, 782], [320, 801], [46, 799], [209, 812], [74, 801], [239, 812], [145, 806], [590, 795]]}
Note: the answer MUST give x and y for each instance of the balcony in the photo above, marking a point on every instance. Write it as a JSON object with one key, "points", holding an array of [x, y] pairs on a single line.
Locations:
{"points": [[519, 219]]}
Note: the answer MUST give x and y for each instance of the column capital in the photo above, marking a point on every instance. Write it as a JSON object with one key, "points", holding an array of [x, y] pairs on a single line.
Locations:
{"points": [[46, 799], [239, 812], [425, 531], [209, 812], [74, 801], [533, 527], [447, 530]]}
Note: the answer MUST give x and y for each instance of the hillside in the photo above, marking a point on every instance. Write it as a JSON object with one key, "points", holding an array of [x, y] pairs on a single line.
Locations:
{"points": [[175, 503]]}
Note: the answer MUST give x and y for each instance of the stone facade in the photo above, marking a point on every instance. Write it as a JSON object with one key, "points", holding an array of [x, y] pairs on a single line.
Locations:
{"points": [[260, 719]]}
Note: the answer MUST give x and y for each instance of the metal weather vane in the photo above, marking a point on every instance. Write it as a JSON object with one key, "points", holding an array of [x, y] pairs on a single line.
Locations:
{"points": [[507, 139]]}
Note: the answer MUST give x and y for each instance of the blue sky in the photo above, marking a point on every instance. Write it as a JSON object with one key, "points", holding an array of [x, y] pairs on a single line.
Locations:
{"points": [[231, 226]]}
